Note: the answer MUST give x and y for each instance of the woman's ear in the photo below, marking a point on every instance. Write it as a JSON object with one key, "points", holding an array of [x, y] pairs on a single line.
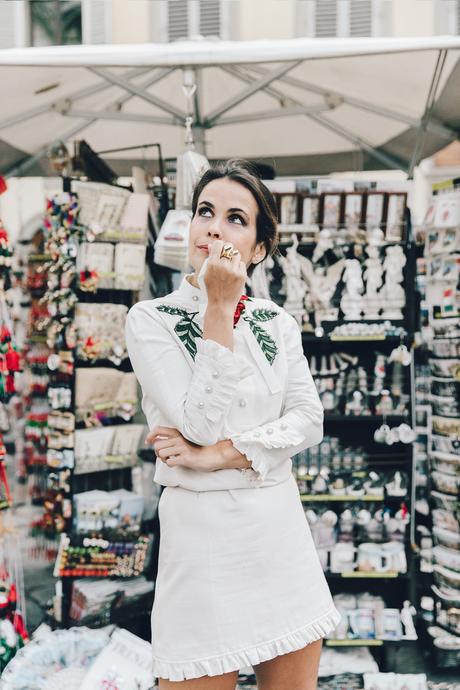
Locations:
{"points": [[259, 254]]}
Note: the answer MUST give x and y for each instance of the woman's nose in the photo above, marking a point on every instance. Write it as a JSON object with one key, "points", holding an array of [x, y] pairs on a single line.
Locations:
{"points": [[214, 231]]}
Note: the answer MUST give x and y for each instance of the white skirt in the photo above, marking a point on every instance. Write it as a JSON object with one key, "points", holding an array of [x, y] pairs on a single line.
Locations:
{"points": [[239, 581]]}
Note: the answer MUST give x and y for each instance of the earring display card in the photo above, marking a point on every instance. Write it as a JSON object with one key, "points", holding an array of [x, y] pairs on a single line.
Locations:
{"points": [[310, 211], [101, 392], [101, 207], [97, 257], [353, 209], [331, 210], [396, 210], [134, 221], [100, 331], [288, 209], [129, 266], [374, 209], [111, 447]]}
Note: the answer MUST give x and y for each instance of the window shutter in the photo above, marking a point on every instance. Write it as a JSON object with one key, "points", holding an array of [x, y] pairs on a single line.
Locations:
{"points": [[178, 20], [13, 25], [325, 18], [96, 21], [210, 18], [361, 18]]}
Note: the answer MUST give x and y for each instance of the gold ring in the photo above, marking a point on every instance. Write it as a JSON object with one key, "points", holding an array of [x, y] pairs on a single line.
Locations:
{"points": [[227, 251]]}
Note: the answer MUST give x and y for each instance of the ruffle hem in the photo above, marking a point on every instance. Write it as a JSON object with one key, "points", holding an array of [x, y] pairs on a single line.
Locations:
{"points": [[233, 661]]}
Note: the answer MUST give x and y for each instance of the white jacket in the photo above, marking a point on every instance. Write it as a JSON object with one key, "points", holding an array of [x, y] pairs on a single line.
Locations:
{"points": [[261, 395]]}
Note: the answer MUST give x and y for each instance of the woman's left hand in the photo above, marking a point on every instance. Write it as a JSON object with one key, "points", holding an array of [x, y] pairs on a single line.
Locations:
{"points": [[175, 451]]}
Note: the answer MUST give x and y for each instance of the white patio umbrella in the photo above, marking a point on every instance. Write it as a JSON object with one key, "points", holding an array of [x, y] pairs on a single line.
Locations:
{"points": [[302, 105]]}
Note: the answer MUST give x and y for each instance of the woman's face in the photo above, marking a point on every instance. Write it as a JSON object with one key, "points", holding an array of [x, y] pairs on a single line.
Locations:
{"points": [[225, 211]]}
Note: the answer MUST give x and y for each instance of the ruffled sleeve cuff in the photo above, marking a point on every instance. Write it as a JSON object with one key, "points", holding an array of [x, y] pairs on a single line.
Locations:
{"points": [[217, 373], [255, 443]]}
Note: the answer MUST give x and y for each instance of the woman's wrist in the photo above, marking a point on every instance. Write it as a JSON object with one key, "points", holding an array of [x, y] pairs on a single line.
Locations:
{"points": [[229, 457]]}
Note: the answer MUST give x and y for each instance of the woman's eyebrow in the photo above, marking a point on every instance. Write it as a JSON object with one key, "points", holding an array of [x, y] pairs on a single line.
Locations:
{"points": [[238, 210], [206, 203]]}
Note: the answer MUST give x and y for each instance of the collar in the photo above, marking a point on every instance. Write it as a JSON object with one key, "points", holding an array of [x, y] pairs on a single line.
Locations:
{"points": [[190, 293]]}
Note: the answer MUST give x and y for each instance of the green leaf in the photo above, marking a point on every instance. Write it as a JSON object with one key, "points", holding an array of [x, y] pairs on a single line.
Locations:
{"points": [[174, 311], [188, 331], [266, 342], [263, 314]]}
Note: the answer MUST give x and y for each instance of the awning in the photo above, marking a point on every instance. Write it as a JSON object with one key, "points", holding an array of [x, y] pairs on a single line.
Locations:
{"points": [[302, 105]]}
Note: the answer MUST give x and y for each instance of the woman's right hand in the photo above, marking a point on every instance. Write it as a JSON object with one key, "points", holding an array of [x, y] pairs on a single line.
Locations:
{"points": [[225, 279]]}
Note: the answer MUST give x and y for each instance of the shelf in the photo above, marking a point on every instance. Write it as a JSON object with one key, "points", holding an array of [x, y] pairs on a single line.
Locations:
{"points": [[363, 575], [369, 419], [367, 643], [327, 339], [306, 498], [369, 498]]}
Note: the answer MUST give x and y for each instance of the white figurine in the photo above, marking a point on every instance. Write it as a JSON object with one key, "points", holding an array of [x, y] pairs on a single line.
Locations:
{"points": [[294, 286], [352, 301]]}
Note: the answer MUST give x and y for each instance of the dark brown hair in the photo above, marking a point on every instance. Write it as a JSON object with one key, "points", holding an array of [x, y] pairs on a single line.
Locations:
{"points": [[244, 173]]}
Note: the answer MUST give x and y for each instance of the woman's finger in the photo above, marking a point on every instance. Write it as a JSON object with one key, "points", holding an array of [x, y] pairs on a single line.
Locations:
{"points": [[165, 431], [216, 248], [163, 453]]}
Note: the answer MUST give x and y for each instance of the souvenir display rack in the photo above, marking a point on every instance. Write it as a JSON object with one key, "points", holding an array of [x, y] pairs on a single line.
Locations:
{"points": [[440, 335], [91, 261], [13, 632], [345, 272]]}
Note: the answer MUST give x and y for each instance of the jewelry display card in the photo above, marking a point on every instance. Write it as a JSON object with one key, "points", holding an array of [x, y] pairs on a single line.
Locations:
{"points": [[288, 209], [97, 257], [331, 210], [102, 392], [105, 448], [101, 207], [353, 209], [310, 211], [374, 209], [100, 331], [134, 221], [395, 217], [447, 210], [129, 266]]}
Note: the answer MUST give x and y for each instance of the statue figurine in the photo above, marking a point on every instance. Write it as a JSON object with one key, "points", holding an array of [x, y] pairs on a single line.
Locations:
{"points": [[294, 286], [352, 301]]}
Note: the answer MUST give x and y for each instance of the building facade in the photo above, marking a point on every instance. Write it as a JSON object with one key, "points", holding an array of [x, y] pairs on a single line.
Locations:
{"points": [[57, 22]]}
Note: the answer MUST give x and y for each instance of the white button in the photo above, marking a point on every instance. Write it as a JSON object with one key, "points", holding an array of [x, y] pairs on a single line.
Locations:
{"points": [[195, 298], [242, 402], [284, 427], [215, 374], [269, 430], [201, 405], [208, 389]]}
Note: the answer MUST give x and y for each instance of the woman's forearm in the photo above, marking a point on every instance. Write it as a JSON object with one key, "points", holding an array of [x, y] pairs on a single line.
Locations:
{"points": [[229, 458], [218, 325]]}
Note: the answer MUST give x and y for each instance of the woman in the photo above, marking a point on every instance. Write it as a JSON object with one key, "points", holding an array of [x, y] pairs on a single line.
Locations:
{"points": [[229, 399]]}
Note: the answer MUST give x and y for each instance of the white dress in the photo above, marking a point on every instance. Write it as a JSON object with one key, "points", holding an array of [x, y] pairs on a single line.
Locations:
{"points": [[239, 580]]}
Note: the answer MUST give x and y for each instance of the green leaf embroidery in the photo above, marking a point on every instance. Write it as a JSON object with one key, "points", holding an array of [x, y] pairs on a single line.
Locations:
{"points": [[266, 342], [263, 314], [175, 311], [186, 329]]}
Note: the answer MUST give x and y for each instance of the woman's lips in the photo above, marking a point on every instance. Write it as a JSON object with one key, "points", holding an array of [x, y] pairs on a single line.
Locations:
{"points": [[203, 248]]}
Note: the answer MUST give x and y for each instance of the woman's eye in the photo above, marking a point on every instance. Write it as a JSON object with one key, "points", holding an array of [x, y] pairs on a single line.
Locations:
{"points": [[204, 211], [236, 218]]}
